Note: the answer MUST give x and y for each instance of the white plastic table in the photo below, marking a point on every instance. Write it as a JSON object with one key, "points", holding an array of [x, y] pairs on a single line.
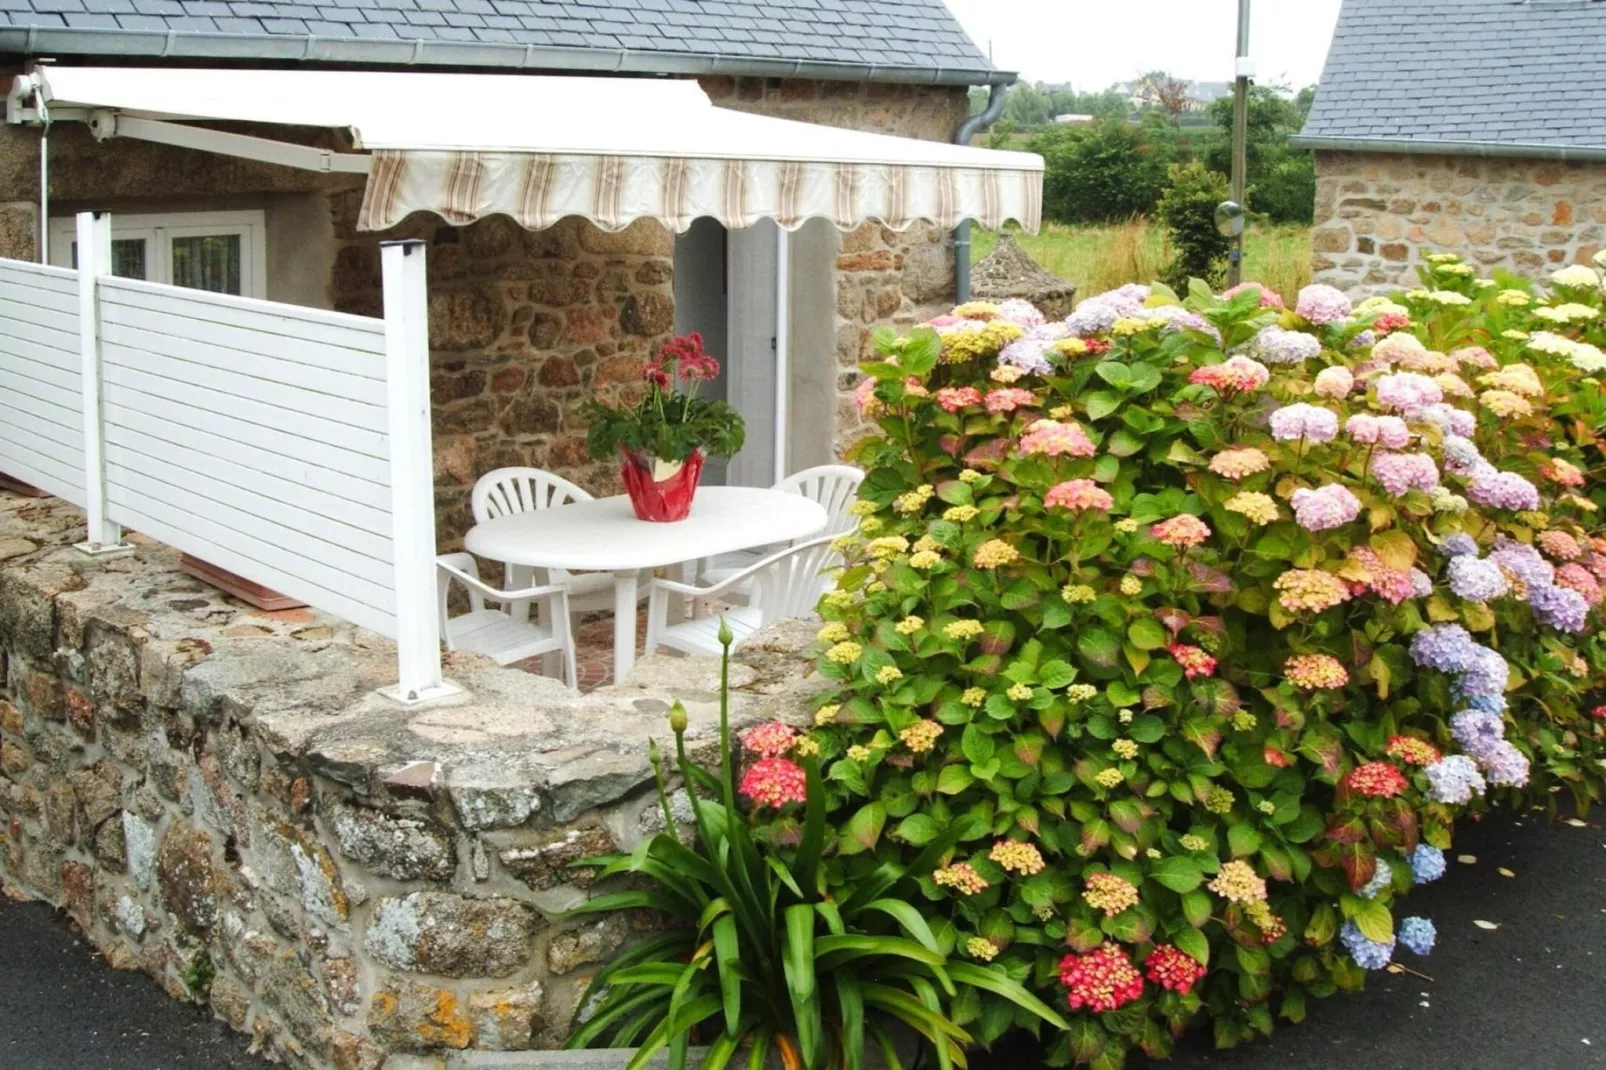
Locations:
{"points": [[603, 535]]}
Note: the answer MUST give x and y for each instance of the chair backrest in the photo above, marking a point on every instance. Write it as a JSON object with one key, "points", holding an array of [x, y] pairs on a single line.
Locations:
{"points": [[833, 486], [506, 491], [790, 584]]}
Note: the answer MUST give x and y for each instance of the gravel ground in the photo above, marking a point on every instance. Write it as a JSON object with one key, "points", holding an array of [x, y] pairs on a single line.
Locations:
{"points": [[1528, 995]]}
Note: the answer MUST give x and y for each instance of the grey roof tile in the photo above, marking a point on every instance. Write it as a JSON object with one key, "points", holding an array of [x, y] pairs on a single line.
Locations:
{"points": [[1465, 70], [885, 33]]}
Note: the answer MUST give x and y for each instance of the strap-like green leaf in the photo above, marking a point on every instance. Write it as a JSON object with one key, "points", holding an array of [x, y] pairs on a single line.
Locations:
{"points": [[998, 984], [760, 1054], [614, 1010], [728, 956], [799, 951], [832, 916], [907, 916], [607, 904], [889, 1051], [689, 1015], [928, 999], [715, 908], [846, 948], [851, 1002], [809, 849]]}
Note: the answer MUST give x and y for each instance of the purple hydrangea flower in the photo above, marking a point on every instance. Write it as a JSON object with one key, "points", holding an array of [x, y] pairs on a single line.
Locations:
{"points": [[1524, 561], [1445, 647], [1448, 418], [1421, 583], [1016, 310], [1487, 674], [1273, 345], [1477, 731], [1176, 318], [1418, 935], [1560, 607], [1454, 779], [1461, 456], [1312, 422], [1401, 472], [1364, 339], [1367, 953], [1027, 353], [1504, 765], [1486, 703], [1459, 545], [1382, 877], [1322, 305], [1427, 863], [1503, 490], [1330, 506], [1476, 579]]}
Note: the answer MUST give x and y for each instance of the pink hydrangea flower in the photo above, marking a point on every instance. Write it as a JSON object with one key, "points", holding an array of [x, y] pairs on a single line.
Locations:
{"points": [[1008, 399], [864, 398], [1233, 374], [1268, 298], [954, 398], [1054, 439], [1194, 661], [1016, 310], [1310, 422], [1390, 431], [1101, 981], [775, 782], [1330, 506], [771, 739], [1400, 472], [1183, 530], [1334, 382], [1078, 494], [1322, 305], [1475, 356], [1235, 464], [1407, 391], [1579, 578]]}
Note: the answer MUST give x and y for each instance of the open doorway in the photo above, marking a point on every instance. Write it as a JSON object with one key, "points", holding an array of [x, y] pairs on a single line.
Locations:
{"points": [[742, 290]]}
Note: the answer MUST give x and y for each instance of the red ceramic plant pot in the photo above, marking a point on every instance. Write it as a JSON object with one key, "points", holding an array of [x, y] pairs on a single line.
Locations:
{"points": [[660, 500]]}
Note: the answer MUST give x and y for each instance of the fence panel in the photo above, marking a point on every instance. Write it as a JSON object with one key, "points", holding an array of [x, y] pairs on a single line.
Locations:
{"points": [[41, 379], [254, 435]]}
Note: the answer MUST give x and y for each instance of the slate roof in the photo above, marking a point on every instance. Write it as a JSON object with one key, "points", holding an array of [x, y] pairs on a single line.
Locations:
{"points": [[1504, 73], [892, 40]]}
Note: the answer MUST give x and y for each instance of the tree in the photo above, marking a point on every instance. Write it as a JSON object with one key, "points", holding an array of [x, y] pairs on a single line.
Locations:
{"points": [[1103, 173], [1281, 180], [1168, 92]]}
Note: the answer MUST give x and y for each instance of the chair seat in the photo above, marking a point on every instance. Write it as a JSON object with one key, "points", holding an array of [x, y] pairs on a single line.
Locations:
{"points": [[497, 636], [701, 636]]}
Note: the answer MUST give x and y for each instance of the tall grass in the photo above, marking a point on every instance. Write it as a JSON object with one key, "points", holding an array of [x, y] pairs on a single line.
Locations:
{"points": [[1099, 258]]}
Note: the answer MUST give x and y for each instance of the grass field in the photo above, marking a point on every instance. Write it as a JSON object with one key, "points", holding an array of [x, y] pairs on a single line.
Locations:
{"points": [[1099, 258]]}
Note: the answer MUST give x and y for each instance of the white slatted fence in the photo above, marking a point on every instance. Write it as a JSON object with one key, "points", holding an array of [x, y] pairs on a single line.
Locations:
{"points": [[255, 435]]}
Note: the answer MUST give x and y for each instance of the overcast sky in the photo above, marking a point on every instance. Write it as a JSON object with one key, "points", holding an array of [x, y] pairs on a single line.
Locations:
{"points": [[1091, 43]]}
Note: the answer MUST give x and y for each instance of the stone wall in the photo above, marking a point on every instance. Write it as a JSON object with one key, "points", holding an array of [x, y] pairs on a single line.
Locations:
{"points": [[218, 798], [1377, 215]]}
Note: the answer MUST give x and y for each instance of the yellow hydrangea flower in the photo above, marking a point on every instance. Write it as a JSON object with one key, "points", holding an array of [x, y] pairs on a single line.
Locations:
{"points": [[924, 559], [909, 625], [963, 629], [887, 674], [961, 514], [1108, 778], [1126, 748], [834, 632], [995, 553], [1131, 585], [844, 653], [826, 715], [969, 475], [859, 753]]}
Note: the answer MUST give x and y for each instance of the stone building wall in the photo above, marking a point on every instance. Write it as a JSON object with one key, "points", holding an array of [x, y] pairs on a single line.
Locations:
{"points": [[1377, 215], [218, 798]]}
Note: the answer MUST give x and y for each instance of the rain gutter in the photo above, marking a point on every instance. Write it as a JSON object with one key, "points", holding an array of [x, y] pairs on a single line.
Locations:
{"points": [[1523, 150], [313, 48]]}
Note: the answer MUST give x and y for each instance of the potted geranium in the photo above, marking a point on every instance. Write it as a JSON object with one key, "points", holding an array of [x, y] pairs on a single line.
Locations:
{"points": [[663, 440]]}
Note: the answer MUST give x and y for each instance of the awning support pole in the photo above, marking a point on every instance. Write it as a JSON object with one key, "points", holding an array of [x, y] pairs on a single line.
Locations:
{"points": [[103, 536], [412, 489], [783, 343]]}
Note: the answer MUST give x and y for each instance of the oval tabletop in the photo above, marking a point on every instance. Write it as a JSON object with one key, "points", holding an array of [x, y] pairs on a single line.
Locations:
{"points": [[603, 534]]}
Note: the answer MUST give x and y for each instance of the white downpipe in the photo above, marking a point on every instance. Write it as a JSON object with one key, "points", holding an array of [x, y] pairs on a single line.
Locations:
{"points": [[783, 342], [44, 179], [412, 490]]}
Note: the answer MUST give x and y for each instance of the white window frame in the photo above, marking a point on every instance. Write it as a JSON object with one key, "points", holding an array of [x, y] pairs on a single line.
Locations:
{"points": [[159, 228]]}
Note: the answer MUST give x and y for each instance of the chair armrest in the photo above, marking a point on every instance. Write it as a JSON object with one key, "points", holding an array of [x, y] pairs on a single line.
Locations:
{"points": [[474, 583], [677, 587]]}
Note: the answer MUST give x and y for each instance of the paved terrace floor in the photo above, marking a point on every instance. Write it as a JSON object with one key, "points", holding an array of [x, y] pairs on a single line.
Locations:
{"points": [[1528, 995]]}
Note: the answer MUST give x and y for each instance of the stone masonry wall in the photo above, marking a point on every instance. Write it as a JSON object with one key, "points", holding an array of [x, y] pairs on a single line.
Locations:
{"points": [[218, 798], [1377, 215]]}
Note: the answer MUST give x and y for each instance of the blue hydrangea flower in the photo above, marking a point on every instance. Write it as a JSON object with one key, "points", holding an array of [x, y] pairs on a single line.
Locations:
{"points": [[1459, 545], [1381, 879], [1418, 935], [1421, 583], [1485, 674], [1454, 779], [1487, 703], [1504, 765], [1476, 579], [1524, 561], [1427, 863], [1560, 607], [1461, 456], [1367, 953], [1446, 647], [1476, 731]]}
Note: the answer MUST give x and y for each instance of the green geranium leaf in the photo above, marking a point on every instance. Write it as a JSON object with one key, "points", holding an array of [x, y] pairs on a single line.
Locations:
{"points": [[863, 829], [1146, 729], [954, 779], [1117, 375], [1373, 920], [1178, 874], [977, 745], [1147, 633], [1099, 647], [1243, 841], [1194, 943], [1196, 907], [1101, 403], [918, 829], [1055, 674]]}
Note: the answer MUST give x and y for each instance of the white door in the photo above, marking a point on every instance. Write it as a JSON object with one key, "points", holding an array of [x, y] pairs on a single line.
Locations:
{"points": [[223, 252], [750, 340]]}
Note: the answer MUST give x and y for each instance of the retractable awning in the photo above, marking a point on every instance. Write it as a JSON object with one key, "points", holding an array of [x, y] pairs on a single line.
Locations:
{"points": [[539, 148]]}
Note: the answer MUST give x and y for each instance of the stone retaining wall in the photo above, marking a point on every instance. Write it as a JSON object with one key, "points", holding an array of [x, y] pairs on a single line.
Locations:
{"points": [[1378, 215], [218, 798]]}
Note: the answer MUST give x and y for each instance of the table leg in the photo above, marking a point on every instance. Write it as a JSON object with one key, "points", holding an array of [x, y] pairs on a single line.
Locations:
{"points": [[624, 624], [685, 572]]}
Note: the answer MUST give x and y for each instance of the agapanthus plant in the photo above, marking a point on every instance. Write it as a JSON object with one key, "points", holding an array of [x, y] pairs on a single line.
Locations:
{"points": [[1224, 618]]}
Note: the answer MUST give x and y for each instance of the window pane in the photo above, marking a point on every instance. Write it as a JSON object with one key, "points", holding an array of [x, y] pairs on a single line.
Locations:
{"points": [[128, 257], [208, 263]]}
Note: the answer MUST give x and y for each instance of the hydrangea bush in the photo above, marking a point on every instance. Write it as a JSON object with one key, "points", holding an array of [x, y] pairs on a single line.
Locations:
{"points": [[1204, 619]]}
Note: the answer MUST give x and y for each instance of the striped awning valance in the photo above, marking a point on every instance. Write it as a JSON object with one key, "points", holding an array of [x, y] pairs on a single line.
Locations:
{"points": [[541, 147], [538, 189]]}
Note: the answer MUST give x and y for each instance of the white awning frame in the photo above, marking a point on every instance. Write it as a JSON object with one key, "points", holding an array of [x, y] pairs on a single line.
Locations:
{"points": [[539, 148]]}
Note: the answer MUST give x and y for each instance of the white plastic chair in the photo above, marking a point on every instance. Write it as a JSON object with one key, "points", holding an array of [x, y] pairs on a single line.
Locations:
{"points": [[506, 491], [785, 585], [497, 633], [832, 485]]}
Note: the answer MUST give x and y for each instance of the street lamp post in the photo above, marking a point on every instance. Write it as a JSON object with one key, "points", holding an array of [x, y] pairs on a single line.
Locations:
{"points": [[1240, 136]]}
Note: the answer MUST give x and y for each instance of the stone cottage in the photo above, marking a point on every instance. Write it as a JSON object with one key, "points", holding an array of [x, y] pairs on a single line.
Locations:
{"points": [[525, 324], [1469, 126]]}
